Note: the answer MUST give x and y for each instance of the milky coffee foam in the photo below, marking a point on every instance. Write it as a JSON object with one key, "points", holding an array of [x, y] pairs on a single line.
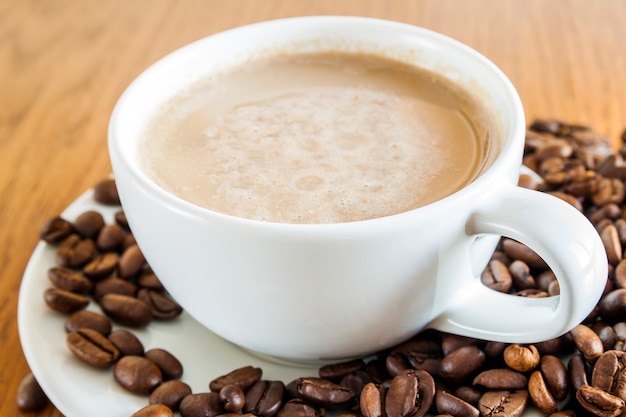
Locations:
{"points": [[316, 138]]}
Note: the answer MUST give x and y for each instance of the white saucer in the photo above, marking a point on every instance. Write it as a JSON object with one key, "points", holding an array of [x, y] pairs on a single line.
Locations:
{"points": [[79, 390]]}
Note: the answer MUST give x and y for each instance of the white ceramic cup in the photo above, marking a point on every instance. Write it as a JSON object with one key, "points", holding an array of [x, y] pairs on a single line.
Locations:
{"points": [[331, 291]]}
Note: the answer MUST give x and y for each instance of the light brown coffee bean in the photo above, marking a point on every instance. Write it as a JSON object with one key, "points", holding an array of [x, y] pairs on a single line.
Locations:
{"points": [[204, 404], [89, 223], [587, 342], [85, 319], [503, 403], [114, 285], [521, 358], [126, 342], [110, 238], [501, 379], [372, 400], [163, 307], [612, 244], [497, 276], [540, 394], [105, 192], [64, 301], [244, 377], [154, 410], [447, 403], [101, 266], [609, 373], [599, 402], [92, 347], [126, 310], [520, 273], [55, 230], [70, 280], [517, 250], [137, 374], [148, 279], [170, 393], [170, 366], [30, 397], [131, 262]]}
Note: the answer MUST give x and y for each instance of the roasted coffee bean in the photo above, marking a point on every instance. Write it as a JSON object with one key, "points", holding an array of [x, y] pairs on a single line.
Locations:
{"points": [[429, 362], [89, 223], [521, 358], [336, 371], [619, 276], [452, 342], [606, 333], [356, 381], [65, 301], [69, 280], [264, 398], [410, 394], [170, 393], [137, 374], [114, 285], [372, 400], [232, 398], [503, 403], [125, 310], [555, 376], [599, 402], [550, 347], [299, 408], [55, 230], [105, 192], [204, 404], [110, 238], [612, 244], [396, 363], [568, 198], [129, 240], [609, 373], [517, 250], [244, 377], [126, 342], [323, 393], [131, 262], [520, 273], [92, 347], [163, 307], [497, 276], [620, 336], [377, 369], [613, 305], [120, 218], [462, 363], [494, 349], [30, 397], [587, 342], [101, 266], [74, 252], [85, 319], [170, 366], [468, 394], [501, 379], [540, 394], [447, 403], [148, 279], [154, 410], [577, 372]]}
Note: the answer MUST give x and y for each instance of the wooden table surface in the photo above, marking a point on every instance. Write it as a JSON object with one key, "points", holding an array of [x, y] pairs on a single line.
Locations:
{"points": [[64, 63]]}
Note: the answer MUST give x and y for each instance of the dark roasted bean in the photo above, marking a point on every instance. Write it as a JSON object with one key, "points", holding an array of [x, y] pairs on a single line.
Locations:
{"points": [[110, 238], [501, 379], [264, 398], [462, 363], [163, 307], [92, 347], [323, 393], [128, 311], [204, 404], [55, 230], [517, 250], [30, 397], [89, 223], [613, 305], [599, 402], [105, 192], [232, 398], [148, 279], [154, 410], [170, 393], [137, 374], [126, 342], [299, 408], [69, 280], [609, 373], [101, 266], [336, 371], [410, 394], [65, 301], [85, 319], [74, 252], [447, 403], [503, 403], [114, 285], [587, 342], [244, 377], [170, 366], [131, 262], [577, 372], [555, 376]]}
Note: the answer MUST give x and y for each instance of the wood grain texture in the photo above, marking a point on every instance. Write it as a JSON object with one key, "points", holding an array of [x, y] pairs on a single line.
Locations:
{"points": [[64, 63]]}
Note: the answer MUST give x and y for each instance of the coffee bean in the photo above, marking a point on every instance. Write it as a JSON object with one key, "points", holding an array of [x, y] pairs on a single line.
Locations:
{"points": [[299, 408], [105, 192], [520, 273], [170, 366], [154, 410], [74, 251], [65, 301], [69, 280], [555, 376], [137, 374], [606, 333], [243, 377], [114, 285], [462, 363], [396, 363], [264, 398], [148, 279], [85, 319], [599, 402], [447, 403], [497, 276], [163, 307], [613, 305], [372, 400], [126, 342], [233, 398], [110, 238], [101, 266], [429, 362], [170, 393], [205, 404], [30, 397], [587, 342], [356, 381], [410, 394], [503, 403], [577, 372], [336, 371], [452, 342], [521, 358], [92, 347], [323, 393], [89, 223], [609, 373], [126, 310], [55, 230], [517, 250], [468, 394], [120, 219], [501, 379], [540, 394], [131, 262]]}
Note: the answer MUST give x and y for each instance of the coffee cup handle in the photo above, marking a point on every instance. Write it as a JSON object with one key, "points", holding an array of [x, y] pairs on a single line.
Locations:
{"points": [[567, 242]]}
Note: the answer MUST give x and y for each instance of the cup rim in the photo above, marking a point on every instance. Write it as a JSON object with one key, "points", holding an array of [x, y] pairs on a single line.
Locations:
{"points": [[509, 148]]}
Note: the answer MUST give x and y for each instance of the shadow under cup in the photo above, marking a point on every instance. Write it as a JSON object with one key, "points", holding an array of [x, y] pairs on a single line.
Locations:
{"points": [[316, 291]]}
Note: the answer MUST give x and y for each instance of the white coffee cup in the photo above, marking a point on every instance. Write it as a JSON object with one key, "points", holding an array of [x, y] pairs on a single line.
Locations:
{"points": [[331, 291]]}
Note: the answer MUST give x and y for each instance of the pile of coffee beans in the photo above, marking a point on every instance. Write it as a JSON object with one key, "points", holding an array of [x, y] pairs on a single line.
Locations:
{"points": [[580, 373]]}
